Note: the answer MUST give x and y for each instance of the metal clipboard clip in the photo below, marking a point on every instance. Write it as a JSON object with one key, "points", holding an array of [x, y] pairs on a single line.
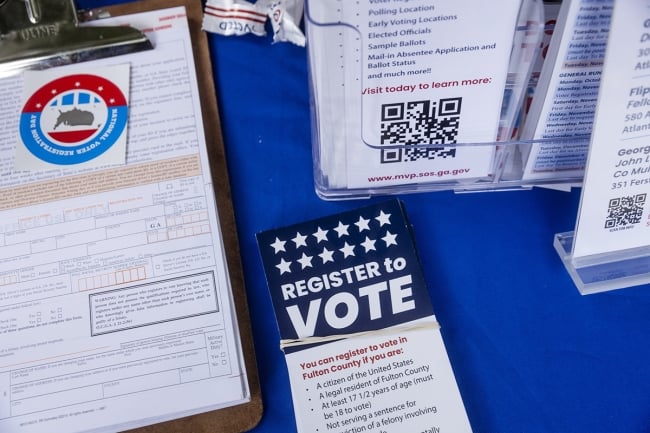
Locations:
{"points": [[38, 34]]}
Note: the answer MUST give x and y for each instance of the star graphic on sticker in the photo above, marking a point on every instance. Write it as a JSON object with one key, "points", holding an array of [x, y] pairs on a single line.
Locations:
{"points": [[305, 261], [284, 266], [327, 255], [77, 84], [347, 250], [100, 88], [362, 224], [112, 100], [383, 218], [39, 105], [389, 239], [320, 235], [278, 245], [369, 244], [342, 229], [53, 91], [300, 240]]}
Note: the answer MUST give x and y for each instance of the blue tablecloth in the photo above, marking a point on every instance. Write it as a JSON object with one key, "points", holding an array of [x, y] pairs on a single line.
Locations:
{"points": [[529, 352]]}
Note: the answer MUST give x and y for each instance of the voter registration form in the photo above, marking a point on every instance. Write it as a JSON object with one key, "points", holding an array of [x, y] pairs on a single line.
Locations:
{"points": [[115, 302]]}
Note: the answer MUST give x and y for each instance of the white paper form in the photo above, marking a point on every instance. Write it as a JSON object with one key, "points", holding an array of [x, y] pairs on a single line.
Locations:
{"points": [[565, 100], [115, 305], [389, 75], [614, 214]]}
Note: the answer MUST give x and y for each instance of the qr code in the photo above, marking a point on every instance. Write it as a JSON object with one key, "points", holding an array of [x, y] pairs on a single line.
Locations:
{"points": [[409, 125], [625, 211]]}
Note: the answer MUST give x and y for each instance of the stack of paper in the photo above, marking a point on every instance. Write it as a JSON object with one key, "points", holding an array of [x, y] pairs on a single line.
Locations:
{"points": [[363, 347], [115, 301]]}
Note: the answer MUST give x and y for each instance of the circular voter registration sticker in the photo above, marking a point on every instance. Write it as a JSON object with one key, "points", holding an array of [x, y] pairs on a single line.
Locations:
{"points": [[73, 119]]}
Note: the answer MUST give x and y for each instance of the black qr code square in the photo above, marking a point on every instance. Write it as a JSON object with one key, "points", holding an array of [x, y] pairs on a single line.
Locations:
{"points": [[414, 125], [625, 211]]}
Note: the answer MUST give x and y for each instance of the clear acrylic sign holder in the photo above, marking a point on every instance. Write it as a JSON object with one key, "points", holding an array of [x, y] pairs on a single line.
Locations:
{"points": [[604, 272], [610, 247]]}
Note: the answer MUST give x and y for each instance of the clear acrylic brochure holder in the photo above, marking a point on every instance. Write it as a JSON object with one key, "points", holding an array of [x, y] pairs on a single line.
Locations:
{"points": [[338, 124]]}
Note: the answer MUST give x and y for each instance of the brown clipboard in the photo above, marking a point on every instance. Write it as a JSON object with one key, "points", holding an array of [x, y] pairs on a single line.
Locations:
{"points": [[245, 416]]}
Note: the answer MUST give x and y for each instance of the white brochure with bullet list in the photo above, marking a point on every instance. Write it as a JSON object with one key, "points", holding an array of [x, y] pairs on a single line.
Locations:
{"points": [[567, 92], [396, 83]]}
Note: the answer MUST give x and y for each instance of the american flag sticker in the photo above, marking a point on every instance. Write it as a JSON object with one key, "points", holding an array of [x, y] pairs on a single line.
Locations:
{"points": [[351, 272]]}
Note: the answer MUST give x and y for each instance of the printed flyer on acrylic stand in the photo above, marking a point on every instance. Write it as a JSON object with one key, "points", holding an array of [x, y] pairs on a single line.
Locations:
{"points": [[390, 76], [614, 215], [363, 348]]}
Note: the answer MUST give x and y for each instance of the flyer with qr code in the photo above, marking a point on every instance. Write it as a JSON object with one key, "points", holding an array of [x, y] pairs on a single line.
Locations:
{"points": [[614, 212], [362, 345], [395, 82]]}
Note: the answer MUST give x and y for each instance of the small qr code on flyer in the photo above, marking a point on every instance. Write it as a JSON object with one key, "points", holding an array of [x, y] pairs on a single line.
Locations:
{"points": [[625, 211]]}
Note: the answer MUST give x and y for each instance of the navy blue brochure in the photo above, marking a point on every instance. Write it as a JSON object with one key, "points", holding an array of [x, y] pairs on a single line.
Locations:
{"points": [[342, 274]]}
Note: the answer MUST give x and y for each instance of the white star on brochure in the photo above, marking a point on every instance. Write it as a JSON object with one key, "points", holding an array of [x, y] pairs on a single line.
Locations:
{"points": [[278, 245], [342, 229], [327, 255], [305, 261], [320, 235], [369, 244], [284, 266], [383, 218], [300, 240], [347, 250], [363, 224], [389, 239]]}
